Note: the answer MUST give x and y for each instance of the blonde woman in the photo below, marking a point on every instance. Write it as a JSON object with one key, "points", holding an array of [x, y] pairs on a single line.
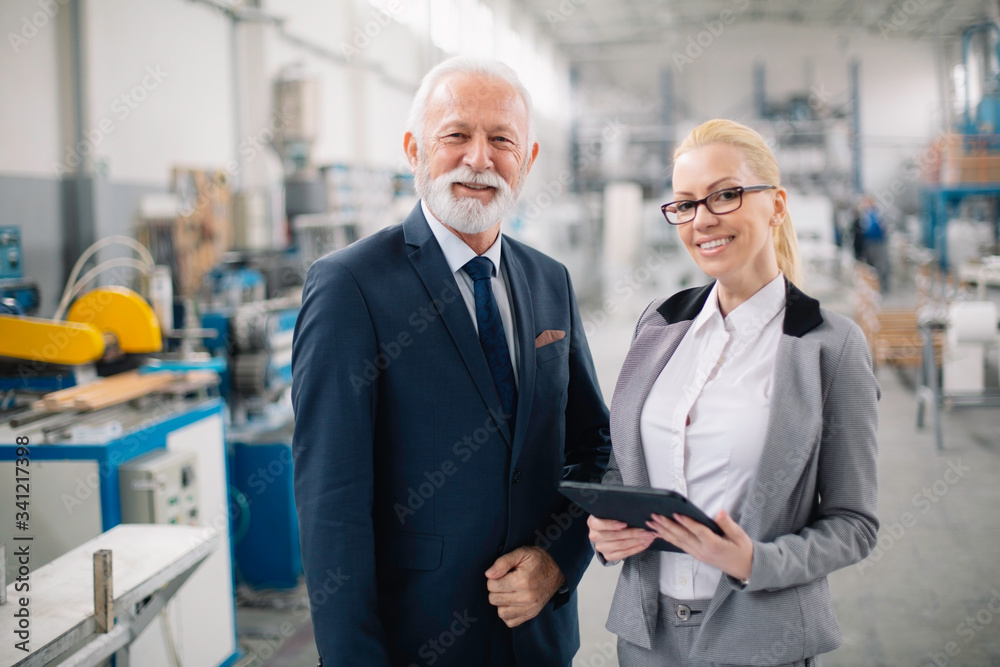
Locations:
{"points": [[759, 406]]}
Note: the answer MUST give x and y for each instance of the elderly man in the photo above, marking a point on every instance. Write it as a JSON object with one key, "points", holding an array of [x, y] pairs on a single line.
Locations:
{"points": [[442, 388]]}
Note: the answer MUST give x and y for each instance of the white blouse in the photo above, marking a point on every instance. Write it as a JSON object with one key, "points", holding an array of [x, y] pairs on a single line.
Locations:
{"points": [[704, 422]]}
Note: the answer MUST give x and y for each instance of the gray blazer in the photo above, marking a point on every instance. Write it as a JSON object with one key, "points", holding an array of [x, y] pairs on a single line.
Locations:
{"points": [[810, 508]]}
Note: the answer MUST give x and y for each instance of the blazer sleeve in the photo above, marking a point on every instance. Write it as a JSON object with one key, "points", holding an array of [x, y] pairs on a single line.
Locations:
{"points": [[846, 526], [613, 475], [586, 450], [335, 411]]}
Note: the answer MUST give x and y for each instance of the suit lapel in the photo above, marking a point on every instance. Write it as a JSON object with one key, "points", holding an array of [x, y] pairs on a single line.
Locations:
{"points": [[429, 262], [646, 359], [794, 423], [524, 321]]}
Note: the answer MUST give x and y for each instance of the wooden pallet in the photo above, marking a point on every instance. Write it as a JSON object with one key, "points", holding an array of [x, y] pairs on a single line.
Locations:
{"points": [[893, 334], [105, 392]]}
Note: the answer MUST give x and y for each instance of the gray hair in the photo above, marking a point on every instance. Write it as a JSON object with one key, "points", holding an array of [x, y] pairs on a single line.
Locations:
{"points": [[493, 69]]}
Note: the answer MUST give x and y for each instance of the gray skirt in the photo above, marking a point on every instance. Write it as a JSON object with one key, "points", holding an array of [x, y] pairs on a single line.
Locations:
{"points": [[677, 626]]}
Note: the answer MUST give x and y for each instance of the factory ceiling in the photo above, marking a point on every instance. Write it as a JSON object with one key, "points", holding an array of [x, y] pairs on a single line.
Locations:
{"points": [[596, 29]]}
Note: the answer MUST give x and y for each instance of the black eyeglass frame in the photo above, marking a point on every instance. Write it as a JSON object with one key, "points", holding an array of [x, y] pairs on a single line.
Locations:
{"points": [[739, 189]]}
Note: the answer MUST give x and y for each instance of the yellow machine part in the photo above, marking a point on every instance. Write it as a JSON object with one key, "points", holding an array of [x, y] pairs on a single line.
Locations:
{"points": [[122, 312], [48, 341]]}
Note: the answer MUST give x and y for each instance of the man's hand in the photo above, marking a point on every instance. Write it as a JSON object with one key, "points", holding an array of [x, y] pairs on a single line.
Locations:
{"points": [[521, 583]]}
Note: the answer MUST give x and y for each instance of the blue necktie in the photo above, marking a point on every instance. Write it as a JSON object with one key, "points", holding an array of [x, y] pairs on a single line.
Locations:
{"points": [[491, 335]]}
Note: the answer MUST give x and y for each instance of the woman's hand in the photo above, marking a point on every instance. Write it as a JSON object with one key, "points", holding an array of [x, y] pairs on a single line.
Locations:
{"points": [[615, 540], [731, 552]]}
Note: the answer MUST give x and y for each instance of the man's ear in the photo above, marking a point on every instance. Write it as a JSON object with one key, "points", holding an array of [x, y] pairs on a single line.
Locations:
{"points": [[410, 148], [531, 160]]}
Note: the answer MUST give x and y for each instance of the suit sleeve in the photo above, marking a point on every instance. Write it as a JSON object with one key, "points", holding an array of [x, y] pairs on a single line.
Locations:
{"points": [[586, 450], [846, 525], [335, 407]]}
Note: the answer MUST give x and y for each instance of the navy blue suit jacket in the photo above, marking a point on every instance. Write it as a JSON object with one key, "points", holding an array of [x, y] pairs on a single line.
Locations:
{"points": [[408, 481]]}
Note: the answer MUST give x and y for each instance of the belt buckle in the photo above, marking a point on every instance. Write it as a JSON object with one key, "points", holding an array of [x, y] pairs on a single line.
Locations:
{"points": [[683, 612]]}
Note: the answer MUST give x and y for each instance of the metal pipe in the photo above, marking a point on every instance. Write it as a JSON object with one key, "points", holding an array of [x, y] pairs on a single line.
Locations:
{"points": [[78, 233], [259, 16], [234, 49], [854, 75]]}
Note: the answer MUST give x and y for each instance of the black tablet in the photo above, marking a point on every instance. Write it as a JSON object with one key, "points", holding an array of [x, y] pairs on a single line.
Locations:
{"points": [[634, 505]]}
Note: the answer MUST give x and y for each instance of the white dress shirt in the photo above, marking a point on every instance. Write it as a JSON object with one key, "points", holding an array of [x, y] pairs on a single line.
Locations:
{"points": [[704, 422], [458, 254]]}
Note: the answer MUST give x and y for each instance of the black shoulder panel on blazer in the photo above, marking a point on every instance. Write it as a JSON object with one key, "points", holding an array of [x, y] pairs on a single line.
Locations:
{"points": [[801, 312], [685, 305]]}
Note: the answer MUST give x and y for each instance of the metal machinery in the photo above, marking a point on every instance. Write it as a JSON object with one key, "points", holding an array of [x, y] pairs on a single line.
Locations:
{"points": [[18, 295], [254, 334], [969, 174], [251, 301], [76, 462], [253, 314], [88, 401], [970, 162], [296, 101]]}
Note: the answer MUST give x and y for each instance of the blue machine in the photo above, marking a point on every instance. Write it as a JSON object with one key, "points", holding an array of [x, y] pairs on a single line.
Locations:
{"points": [[979, 126], [18, 295], [10, 253], [254, 337], [265, 526]]}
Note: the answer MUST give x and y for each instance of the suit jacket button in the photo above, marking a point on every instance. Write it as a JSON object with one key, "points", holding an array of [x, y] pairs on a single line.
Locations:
{"points": [[516, 477]]}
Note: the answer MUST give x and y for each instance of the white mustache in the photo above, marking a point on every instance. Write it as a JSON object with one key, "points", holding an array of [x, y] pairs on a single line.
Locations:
{"points": [[465, 174]]}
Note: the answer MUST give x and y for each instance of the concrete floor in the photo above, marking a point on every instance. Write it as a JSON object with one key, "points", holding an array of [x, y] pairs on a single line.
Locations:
{"points": [[929, 595]]}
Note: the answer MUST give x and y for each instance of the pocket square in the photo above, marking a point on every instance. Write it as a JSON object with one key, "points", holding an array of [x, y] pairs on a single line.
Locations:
{"points": [[549, 336]]}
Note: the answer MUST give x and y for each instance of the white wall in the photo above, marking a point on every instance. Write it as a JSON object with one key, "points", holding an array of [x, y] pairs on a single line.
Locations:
{"points": [[899, 90], [143, 124], [159, 74], [30, 94]]}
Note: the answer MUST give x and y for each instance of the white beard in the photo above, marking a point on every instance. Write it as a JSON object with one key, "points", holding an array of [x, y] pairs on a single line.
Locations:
{"points": [[466, 214]]}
